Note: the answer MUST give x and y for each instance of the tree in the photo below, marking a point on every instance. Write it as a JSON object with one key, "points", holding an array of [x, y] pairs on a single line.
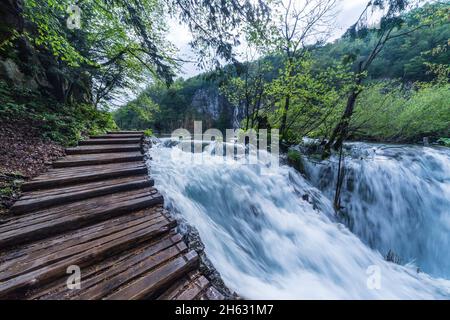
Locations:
{"points": [[217, 25], [118, 42], [296, 25], [139, 114], [246, 87], [314, 97], [437, 15], [122, 42], [392, 26]]}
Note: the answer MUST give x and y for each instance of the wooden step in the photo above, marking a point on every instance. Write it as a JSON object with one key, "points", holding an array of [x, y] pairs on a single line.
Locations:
{"points": [[91, 142], [69, 176], [126, 132], [153, 283], [101, 272], [97, 209], [104, 149], [118, 136], [127, 270], [193, 286], [47, 222], [43, 199], [96, 159], [39, 263]]}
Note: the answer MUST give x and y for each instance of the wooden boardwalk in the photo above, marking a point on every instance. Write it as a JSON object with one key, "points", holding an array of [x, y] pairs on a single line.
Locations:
{"points": [[97, 209]]}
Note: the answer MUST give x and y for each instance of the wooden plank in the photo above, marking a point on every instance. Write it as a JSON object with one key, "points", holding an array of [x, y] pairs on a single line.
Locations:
{"points": [[118, 136], [46, 258], [130, 270], [193, 290], [93, 159], [82, 187], [41, 224], [55, 180], [97, 209], [64, 218], [150, 284], [57, 172], [105, 269], [61, 196], [194, 286], [99, 141], [60, 242], [43, 275], [125, 132], [102, 156], [178, 286], [19, 223], [69, 238], [212, 293], [104, 149]]}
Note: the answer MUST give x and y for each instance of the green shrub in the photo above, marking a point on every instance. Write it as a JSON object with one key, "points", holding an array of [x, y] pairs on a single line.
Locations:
{"points": [[148, 132], [296, 161], [63, 123], [386, 112], [444, 141]]}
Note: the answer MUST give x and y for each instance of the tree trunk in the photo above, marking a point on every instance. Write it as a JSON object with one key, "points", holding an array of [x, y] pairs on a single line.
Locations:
{"points": [[340, 179], [340, 132], [284, 118], [247, 114]]}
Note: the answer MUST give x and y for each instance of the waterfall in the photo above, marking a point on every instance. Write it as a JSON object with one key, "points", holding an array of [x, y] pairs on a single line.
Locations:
{"points": [[397, 199], [273, 235]]}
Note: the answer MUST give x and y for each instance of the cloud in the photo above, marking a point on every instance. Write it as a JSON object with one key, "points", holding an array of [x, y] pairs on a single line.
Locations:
{"points": [[180, 35]]}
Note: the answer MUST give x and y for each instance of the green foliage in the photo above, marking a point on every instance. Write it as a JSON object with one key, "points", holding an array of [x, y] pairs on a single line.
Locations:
{"points": [[72, 123], [177, 106], [148, 133], [62, 123], [313, 97], [426, 113], [295, 160], [317, 80], [444, 141], [386, 112], [246, 87], [119, 43], [48, 15], [294, 155], [404, 58], [138, 114], [10, 184]]}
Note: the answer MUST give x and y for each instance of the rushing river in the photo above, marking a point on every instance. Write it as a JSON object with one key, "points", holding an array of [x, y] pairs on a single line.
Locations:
{"points": [[273, 235]]}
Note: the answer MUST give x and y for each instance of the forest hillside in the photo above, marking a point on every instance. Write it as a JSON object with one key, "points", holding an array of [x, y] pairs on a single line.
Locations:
{"points": [[405, 98]]}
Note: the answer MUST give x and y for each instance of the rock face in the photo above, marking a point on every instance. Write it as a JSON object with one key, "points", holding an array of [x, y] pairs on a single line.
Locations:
{"points": [[10, 11], [25, 66], [206, 101], [215, 109]]}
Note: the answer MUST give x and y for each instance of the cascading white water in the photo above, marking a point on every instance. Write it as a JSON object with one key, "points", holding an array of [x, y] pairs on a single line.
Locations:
{"points": [[397, 199], [269, 243]]}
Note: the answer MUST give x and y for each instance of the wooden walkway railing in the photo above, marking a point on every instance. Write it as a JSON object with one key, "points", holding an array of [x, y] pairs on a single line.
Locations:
{"points": [[97, 209]]}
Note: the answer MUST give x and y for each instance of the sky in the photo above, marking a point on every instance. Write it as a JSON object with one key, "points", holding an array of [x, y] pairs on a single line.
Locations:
{"points": [[179, 35]]}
